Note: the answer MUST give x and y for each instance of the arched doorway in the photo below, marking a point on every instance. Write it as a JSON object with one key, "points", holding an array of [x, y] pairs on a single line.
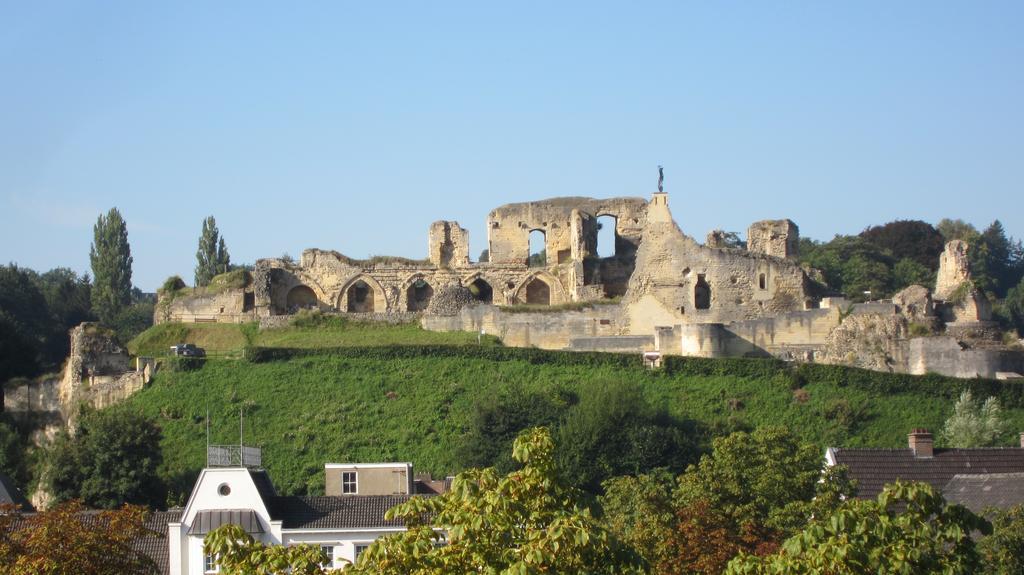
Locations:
{"points": [[418, 295], [301, 297], [481, 291], [538, 292], [360, 297]]}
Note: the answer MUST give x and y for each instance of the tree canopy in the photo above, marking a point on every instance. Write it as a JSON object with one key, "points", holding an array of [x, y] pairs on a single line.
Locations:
{"points": [[111, 259], [212, 257], [111, 460], [909, 529]]}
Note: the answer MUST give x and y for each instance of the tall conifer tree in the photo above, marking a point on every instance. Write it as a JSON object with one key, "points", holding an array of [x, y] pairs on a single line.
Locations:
{"points": [[111, 259], [212, 257]]}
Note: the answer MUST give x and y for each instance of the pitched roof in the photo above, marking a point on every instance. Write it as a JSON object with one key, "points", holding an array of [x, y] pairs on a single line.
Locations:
{"points": [[335, 511], [9, 493], [206, 521], [874, 468], [157, 547], [977, 492]]}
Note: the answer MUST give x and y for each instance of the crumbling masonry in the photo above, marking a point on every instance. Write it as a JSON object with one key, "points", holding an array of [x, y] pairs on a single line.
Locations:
{"points": [[661, 291]]}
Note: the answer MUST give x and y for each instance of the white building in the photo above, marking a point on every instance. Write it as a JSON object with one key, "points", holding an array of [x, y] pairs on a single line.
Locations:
{"points": [[343, 524]]}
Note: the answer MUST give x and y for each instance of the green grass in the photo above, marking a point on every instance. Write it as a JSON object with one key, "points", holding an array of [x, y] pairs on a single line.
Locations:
{"points": [[326, 332], [412, 403]]}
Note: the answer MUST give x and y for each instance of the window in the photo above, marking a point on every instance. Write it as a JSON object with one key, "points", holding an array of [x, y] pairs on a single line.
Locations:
{"points": [[327, 550], [210, 564], [224, 489], [348, 482], [762, 281], [360, 547]]}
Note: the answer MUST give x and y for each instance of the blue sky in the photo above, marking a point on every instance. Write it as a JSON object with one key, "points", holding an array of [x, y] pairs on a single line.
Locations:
{"points": [[352, 126]]}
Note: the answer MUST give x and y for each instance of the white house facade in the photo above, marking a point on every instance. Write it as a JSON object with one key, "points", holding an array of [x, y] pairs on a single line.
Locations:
{"points": [[342, 524]]}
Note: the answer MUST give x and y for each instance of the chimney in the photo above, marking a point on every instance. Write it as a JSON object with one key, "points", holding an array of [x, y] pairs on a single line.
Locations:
{"points": [[920, 441]]}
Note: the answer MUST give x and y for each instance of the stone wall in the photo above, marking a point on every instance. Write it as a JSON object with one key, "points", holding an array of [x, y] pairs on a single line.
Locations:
{"points": [[228, 306], [546, 330], [945, 355], [677, 280]]}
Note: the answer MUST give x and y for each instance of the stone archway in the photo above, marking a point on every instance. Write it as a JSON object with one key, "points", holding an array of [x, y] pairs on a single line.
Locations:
{"points": [[301, 297], [538, 292], [481, 290], [418, 295], [363, 294]]}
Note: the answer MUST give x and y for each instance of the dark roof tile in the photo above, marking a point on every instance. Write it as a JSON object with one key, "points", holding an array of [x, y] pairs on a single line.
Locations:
{"points": [[978, 492], [874, 468], [335, 512]]}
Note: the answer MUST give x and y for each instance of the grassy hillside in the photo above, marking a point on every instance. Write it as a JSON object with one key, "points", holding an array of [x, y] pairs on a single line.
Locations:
{"points": [[411, 403], [308, 332]]}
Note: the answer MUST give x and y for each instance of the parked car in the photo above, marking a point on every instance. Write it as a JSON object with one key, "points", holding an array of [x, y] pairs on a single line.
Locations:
{"points": [[188, 350]]}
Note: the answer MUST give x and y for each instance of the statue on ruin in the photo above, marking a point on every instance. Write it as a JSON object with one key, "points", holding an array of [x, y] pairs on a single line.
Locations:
{"points": [[661, 179]]}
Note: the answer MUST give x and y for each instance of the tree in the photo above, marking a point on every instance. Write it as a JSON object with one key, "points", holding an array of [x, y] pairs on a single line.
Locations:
{"points": [[66, 540], [852, 265], [956, 230], [212, 257], [914, 240], [12, 453], [974, 424], [615, 431], [1014, 305], [485, 256], [751, 492], [239, 554], [528, 521], [498, 419], [1003, 550], [111, 460], [639, 511], [69, 300], [25, 324], [908, 529], [111, 260]]}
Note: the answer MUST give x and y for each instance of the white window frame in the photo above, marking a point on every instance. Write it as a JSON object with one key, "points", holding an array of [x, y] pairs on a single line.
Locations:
{"points": [[355, 549], [207, 559], [354, 483], [329, 549]]}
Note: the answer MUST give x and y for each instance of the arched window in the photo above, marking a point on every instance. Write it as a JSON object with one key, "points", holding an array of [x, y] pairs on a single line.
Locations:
{"points": [[762, 281]]}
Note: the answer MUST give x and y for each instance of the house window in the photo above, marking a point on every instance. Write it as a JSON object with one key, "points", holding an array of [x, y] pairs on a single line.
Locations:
{"points": [[348, 482], [210, 564], [360, 547], [328, 551]]}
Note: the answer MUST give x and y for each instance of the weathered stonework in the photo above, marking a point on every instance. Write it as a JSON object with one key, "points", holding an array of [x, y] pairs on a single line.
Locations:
{"points": [[954, 270], [660, 291]]}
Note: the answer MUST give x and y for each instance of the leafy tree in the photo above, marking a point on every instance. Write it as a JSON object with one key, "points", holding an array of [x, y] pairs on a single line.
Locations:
{"points": [[66, 540], [996, 260], [498, 419], [133, 320], [12, 454], [212, 257], [615, 431], [852, 265], [111, 260], [913, 240], [1003, 550], [956, 230], [239, 554], [111, 460], [69, 301], [751, 492], [525, 522], [908, 272], [909, 529], [25, 323], [974, 424], [1014, 306], [485, 256], [639, 511]]}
